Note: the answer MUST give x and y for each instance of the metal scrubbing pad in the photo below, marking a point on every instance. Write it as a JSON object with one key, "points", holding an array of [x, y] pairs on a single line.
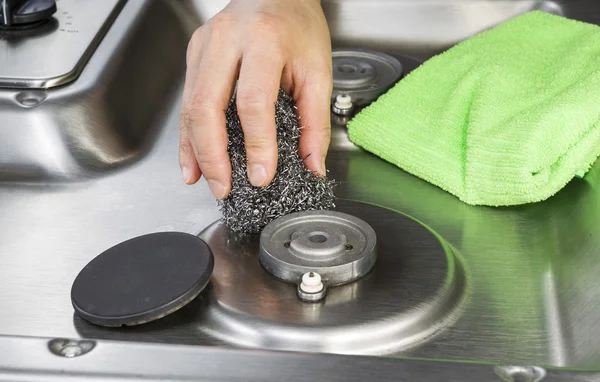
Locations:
{"points": [[295, 188]]}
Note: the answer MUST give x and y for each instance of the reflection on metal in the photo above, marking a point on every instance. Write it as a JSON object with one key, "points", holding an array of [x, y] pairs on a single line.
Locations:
{"points": [[421, 29], [29, 360], [70, 348], [556, 341], [414, 291], [362, 75], [44, 59], [521, 373], [110, 116], [551, 7]]}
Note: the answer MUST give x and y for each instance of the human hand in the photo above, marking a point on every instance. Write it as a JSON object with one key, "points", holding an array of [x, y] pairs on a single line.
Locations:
{"points": [[268, 44]]}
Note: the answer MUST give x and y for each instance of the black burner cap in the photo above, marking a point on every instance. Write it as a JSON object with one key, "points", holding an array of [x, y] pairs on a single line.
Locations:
{"points": [[142, 279]]}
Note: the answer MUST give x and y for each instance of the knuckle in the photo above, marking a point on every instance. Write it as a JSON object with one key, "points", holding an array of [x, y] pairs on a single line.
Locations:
{"points": [[189, 54], [266, 25], [209, 160], [323, 131], [253, 101], [326, 134], [201, 107], [184, 123], [219, 27], [268, 33], [197, 35], [197, 112], [257, 143], [193, 44], [320, 135], [185, 148], [222, 21]]}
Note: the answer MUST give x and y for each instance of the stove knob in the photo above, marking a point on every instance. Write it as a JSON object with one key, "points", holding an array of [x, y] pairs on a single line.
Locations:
{"points": [[16, 13]]}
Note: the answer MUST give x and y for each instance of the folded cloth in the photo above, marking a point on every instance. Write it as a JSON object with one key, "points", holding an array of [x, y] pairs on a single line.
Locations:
{"points": [[506, 117]]}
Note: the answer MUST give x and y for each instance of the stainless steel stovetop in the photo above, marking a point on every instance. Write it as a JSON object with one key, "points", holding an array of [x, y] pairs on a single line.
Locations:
{"points": [[94, 162]]}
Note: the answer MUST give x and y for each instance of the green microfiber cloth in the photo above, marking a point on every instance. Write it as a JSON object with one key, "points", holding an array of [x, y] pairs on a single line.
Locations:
{"points": [[506, 117]]}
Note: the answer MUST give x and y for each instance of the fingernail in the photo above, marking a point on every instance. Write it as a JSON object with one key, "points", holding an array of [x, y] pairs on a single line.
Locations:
{"points": [[257, 175], [185, 171], [323, 168], [217, 189]]}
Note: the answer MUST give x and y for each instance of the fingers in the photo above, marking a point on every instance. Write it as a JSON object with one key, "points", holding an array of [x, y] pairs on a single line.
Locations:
{"points": [[257, 92], [313, 107], [204, 115], [264, 44], [187, 158]]}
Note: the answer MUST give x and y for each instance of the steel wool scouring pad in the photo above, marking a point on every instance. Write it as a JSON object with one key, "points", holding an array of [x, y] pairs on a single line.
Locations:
{"points": [[295, 188]]}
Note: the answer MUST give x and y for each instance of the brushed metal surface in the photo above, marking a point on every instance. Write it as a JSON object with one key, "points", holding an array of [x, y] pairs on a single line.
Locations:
{"points": [[55, 54], [414, 291], [363, 75], [532, 271], [107, 119], [46, 359]]}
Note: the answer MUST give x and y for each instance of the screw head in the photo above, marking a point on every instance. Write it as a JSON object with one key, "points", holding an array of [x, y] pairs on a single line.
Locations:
{"points": [[70, 348], [520, 373]]}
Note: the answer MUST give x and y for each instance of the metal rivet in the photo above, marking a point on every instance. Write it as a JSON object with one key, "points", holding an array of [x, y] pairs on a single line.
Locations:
{"points": [[70, 348], [520, 373], [30, 98]]}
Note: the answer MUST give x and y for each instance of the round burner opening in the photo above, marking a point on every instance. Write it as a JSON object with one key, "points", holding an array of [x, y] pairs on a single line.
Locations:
{"points": [[317, 238]]}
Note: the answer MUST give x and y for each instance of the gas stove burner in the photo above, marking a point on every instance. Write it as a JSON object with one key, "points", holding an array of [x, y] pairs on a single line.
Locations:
{"points": [[413, 290], [332, 246], [363, 75]]}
